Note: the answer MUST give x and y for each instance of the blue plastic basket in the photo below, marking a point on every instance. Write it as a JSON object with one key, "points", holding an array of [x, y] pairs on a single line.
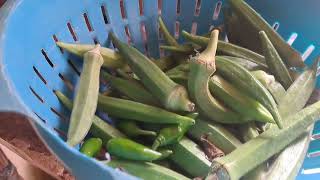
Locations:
{"points": [[31, 65]]}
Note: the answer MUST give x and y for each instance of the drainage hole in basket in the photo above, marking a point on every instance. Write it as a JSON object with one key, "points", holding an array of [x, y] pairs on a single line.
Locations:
{"points": [[67, 82], [160, 34], [217, 10], [194, 28], [61, 133], [275, 26], [36, 94], [159, 7], [61, 116], [141, 7], [126, 29], [39, 75], [292, 38], [161, 52], [43, 52], [43, 120], [95, 40], [104, 14], [197, 8], [178, 7], [55, 38], [144, 34], [122, 9], [72, 32], [73, 67], [308, 52], [177, 30], [88, 23]]}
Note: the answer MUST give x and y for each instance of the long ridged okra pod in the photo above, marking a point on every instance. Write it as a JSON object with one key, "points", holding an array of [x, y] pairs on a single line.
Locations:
{"points": [[171, 95], [243, 79], [99, 128], [227, 48], [146, 170], [201, 68], [257, 150], [166, 34], [86, 97], [131, 88], [238, 101], [128, 149], [127, 109], [274, 61], [131, 129], [251, 22], [91, 147]]}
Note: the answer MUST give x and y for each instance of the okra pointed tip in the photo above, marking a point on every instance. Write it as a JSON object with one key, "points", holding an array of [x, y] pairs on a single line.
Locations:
{"points": [[155, 144], [148, 133]]}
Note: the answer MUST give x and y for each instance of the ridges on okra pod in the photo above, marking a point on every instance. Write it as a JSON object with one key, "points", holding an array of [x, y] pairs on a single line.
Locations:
{"points": [[171, 95], [86, 98], [243, 79], [201, 68]]}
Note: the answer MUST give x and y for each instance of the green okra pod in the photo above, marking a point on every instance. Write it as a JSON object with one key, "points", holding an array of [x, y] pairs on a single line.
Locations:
{"points": [[99, 128], [166, 34], [131, 88], [131, 129], [91, 147], [171, 95], [274, 61], [237, 101], [269, 82], [257, 150], [127, 109], [243, 79], [146, 170], [249, 65], [188, 156], [86, 97], [248, 131], [130, 150], [201, 68], [251, 22], [227, 49]]}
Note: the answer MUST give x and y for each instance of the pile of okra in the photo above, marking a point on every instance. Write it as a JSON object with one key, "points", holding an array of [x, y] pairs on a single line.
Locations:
{"points": [[211, 108]]}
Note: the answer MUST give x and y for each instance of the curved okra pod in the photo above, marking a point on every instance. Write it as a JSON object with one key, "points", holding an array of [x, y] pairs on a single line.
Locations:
{"points": [[252, 23], [127, 109], [274, 61], [259, 149], [243, 79], [171, 95], [227, 49], [146, 170], [170, 135], [238, 101], [166, 34], [131, 88], [130, 150], [200, 71], [86, 98], [99, 128], [131, 129], [91, 147]]}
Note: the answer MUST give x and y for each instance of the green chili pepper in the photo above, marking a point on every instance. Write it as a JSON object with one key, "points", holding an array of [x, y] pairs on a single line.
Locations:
{"points": [[131, 110], [171, 95], [99, 128], [131, 88], [249, 21], [86, 98], [200, 71], [243, 79], [128, 149], [146, 170], [131, 129], [170, 135], [274, 61], [91, 147]]}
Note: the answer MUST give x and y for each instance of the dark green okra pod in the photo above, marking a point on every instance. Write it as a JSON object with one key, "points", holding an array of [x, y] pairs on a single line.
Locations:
{"points": [[91, 147], [86, 97], [171, 95], [131, 129], [274, 61], [128, 149]]}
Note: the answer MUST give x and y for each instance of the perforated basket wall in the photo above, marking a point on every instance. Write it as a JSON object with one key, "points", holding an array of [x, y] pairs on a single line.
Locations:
{"points": [[32, 65]]}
